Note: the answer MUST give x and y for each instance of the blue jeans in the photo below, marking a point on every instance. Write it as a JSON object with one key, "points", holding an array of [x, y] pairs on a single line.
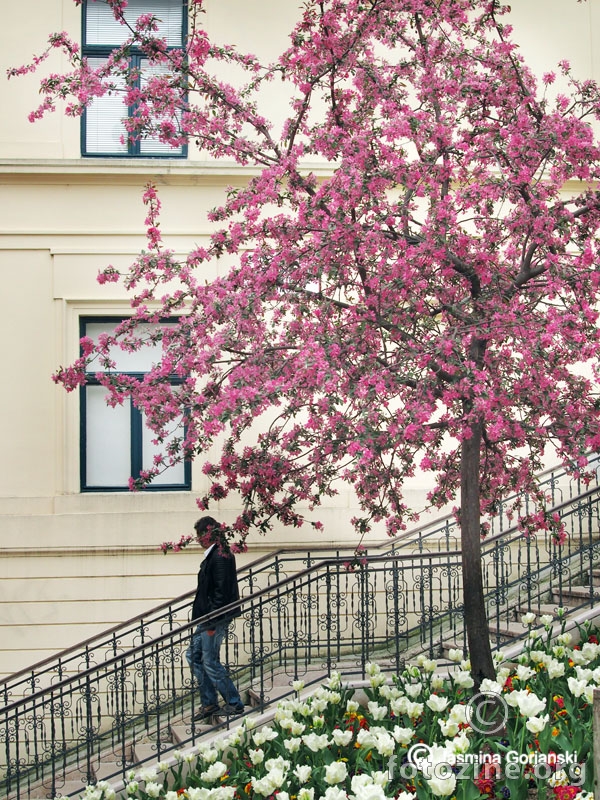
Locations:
{"points": [[203, 657]]}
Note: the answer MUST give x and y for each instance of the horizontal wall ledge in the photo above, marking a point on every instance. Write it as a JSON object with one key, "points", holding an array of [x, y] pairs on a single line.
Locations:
{"points": [[130, 170]]}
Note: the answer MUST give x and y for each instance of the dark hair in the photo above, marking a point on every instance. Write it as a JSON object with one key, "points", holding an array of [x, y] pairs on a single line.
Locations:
{"points": [[209, 525], [205, 522]]}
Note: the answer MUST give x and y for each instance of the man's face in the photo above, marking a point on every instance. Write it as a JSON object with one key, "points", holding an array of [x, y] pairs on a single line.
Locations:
{"points": [[204, 538]]}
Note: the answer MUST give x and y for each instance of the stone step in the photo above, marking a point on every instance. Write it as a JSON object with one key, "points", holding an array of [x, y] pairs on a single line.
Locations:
{"points": [[182, 733], [282, 686], [577, 593], [450, 645], [148, 753], [67, 788], [110, 770], [508, 627], [512, 630], [542, 608], [276, 693]]}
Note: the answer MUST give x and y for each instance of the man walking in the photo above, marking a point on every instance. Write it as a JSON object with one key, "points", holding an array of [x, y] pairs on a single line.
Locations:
{"points": [[217, 587]]}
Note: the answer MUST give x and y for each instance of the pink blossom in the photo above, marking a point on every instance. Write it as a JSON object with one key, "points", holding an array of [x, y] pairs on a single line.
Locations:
{"points": [[429, 291]]}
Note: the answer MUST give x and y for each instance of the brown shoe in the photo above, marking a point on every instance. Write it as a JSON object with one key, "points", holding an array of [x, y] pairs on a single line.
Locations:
{"points": [[206, 712]]}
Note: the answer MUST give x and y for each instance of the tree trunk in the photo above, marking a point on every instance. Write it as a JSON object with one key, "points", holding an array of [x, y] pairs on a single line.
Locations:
{"points": [[478, 632]]}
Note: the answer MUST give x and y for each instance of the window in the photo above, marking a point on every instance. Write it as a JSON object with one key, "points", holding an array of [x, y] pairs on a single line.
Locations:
{"points": [[115, 442], [103, 132]]}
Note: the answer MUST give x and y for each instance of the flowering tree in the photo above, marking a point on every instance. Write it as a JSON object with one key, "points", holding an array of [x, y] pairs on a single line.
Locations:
{"points": [[425, 300]]}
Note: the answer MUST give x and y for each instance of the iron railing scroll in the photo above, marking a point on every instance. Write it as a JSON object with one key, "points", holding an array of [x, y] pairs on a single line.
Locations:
{"points": [[302, 616]]}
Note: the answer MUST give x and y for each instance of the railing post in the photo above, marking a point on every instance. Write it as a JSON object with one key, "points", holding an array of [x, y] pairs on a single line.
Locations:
{"points": [[10, 777], [328, 616], [120, 709], [364, 613], [295, 628], [53, 747], [157, 698], [590, 552], [396, 610], [89, 738]]}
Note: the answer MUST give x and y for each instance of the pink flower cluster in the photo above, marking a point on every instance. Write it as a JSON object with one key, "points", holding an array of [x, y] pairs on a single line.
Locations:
{"points": [[176, 547], [428, 301]]}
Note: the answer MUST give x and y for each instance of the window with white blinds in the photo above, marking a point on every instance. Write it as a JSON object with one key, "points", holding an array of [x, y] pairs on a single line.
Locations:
{"points": [[101, 28], [103, 128]]}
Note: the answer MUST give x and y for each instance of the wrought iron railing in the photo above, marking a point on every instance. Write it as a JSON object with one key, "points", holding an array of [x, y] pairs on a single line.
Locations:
{"points": [[439, 534], [302, 616]]}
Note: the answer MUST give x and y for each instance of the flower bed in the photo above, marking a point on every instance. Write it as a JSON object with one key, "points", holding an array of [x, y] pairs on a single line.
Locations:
{"points": [[421, 735]]}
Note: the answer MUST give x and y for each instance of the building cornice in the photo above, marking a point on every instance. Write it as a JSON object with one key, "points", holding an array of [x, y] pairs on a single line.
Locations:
{"points": [[162, 171]]}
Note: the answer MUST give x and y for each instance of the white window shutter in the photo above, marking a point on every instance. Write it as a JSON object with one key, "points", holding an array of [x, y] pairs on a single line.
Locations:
{"points": [[104, 129], [141, 360], [108, 440], [101, 28], [151, 145], [171, 475]]}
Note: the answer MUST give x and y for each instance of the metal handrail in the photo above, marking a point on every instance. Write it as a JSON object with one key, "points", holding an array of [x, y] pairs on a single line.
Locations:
{"points": [[321, 614], [268, 561]]}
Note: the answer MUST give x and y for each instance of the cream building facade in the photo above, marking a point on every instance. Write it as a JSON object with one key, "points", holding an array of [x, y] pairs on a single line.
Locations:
{"points": [[75, 560]]}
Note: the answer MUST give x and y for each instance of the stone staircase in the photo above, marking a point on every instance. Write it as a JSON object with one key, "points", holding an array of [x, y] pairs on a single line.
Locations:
{"points": [[177, 736], [513, 632], [572, 599], [181, 732], [143, 754]]}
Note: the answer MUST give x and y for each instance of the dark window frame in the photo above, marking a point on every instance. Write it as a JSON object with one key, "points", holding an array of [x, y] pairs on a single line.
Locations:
{"points": [[136, 428], [135, 58]]}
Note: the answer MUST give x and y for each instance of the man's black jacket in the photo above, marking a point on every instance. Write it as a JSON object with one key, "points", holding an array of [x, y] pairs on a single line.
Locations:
{"points": [[217, 586]]}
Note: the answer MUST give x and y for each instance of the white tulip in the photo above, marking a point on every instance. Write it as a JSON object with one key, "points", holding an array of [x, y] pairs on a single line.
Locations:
{"points": [[437, 703], [402, 735], [576, 687], [336, 772], [341, 738], [537, 724], [303, 772]]}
